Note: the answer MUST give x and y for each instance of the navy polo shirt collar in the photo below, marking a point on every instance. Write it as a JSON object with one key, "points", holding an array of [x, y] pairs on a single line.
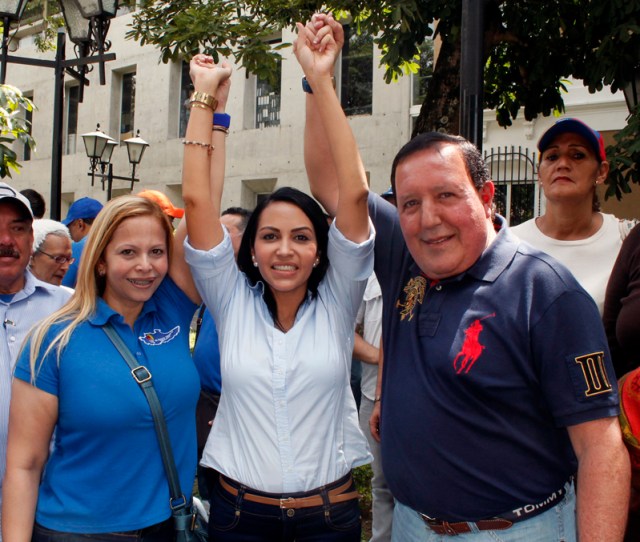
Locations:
{"points": [[497, 256], [493, 261]]}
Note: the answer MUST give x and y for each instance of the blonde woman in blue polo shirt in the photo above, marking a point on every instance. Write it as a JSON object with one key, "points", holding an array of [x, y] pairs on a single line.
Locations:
{"points": [[105, 478], [286, 433]]}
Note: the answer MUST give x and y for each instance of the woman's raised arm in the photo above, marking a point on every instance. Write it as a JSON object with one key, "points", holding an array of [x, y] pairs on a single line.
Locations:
{"points": [[201, 181], [317, 53]]}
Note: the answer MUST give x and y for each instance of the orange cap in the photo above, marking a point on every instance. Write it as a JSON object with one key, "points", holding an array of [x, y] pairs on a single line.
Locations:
{"points": [[164, 202]]}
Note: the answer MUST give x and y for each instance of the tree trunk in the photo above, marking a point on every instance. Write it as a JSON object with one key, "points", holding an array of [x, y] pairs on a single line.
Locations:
{"points": [[441, 108]]}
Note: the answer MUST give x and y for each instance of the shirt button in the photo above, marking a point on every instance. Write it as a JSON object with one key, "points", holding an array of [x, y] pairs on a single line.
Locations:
{"points": [[12, 338], [138, 354]]}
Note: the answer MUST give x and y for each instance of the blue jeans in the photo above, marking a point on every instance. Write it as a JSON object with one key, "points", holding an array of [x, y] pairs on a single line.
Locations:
{"points": [[162, 532], [558, 524], [235, 519]]}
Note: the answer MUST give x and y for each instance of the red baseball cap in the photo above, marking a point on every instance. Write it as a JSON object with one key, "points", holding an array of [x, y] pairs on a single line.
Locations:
{"points": [[573, 126]]}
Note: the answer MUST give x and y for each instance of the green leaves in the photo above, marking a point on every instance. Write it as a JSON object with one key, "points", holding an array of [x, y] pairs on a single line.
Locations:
{"points": [[13, 127], [624, 158]]}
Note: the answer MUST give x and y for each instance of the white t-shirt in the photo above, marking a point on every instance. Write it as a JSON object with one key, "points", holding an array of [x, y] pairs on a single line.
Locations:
{"points": [[370, 316], [590, 260]]}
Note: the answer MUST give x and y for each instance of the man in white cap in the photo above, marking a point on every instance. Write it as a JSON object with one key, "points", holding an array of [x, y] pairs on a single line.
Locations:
{"points": [[23, 299]]}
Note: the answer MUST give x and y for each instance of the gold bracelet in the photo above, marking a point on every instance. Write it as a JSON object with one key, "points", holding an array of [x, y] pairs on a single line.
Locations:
{"points": [[205, 99], [218, 128], [199, 105], [210, 148]]}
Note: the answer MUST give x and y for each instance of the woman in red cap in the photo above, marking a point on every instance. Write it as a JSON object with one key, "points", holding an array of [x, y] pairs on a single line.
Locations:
{"points": [[572, 229]]}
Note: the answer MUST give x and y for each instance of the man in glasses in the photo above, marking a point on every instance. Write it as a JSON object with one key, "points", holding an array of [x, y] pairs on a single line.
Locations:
{"points": [[23, 298], [51, 256]]}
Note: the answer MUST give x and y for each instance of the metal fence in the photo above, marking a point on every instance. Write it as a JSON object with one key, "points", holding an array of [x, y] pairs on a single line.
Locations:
{"points": [[515, 175]]}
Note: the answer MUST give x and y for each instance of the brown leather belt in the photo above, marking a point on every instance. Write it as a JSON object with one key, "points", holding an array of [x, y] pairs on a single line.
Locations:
{"points": [[461, 527], [335, 495]]}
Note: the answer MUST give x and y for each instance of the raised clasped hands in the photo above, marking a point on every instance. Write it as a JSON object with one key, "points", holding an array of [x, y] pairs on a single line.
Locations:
{"points": [[318, 45], [209, 77]]}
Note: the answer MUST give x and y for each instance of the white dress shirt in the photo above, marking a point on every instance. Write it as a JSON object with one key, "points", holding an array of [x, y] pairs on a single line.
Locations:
{"points": [[287, 419]]}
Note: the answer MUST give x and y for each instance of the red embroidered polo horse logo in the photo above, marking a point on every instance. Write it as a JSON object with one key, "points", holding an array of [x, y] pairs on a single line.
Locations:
{"points": [[471, 347]]}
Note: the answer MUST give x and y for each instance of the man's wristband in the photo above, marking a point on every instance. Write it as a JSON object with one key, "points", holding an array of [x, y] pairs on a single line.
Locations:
{"points": [[377, 399], [307, 88], [222, 119]]}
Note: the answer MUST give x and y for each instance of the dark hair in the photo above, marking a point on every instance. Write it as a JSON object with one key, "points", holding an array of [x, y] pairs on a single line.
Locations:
{"points": [[243, 213], [476, 167], [38, 205], [314, 213]]}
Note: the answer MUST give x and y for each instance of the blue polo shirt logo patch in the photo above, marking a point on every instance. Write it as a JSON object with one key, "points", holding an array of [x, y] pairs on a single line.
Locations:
{"points": [[158, 337], [471, 346], [594, 373], [415, 290]]}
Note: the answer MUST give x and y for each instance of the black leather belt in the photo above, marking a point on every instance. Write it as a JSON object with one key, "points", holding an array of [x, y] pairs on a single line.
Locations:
{"points": [[504, 521]]}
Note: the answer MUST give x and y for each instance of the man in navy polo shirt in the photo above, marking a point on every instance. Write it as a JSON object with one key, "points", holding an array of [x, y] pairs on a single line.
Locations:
{"points": [[497, 385]]}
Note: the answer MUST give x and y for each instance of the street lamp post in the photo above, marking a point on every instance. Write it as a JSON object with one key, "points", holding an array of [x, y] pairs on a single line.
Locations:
{"points": [[87, 22], [99, 148], [472, 71], [10, 10]]}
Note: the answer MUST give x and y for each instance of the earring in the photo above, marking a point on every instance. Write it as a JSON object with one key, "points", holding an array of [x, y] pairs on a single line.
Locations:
{"points": [[253, 259], [316, 263]]}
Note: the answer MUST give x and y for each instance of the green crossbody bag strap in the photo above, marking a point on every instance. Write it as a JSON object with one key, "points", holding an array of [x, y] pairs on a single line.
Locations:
{"points": [[144, 379]]}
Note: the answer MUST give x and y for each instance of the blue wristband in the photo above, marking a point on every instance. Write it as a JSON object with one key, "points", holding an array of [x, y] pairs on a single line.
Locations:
{"points": [[306, 86], [222, 119]]}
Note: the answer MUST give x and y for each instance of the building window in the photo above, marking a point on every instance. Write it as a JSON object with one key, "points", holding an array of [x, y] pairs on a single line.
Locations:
{"points": [[268, 100], [128, 105], [356, 73], [186, 88], [254, 191], [73, 95], [420, 80]]}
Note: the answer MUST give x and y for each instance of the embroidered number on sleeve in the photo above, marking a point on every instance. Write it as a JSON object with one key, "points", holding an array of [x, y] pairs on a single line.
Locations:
{"points": [[594, 373]]}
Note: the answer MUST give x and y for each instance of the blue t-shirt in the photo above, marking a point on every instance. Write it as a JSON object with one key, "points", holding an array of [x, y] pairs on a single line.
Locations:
{"points": [[482, 374], [105, 472], [206, 355], [71, 276]]}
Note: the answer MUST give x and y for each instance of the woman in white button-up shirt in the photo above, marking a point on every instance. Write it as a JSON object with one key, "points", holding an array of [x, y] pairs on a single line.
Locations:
{"points": [[286, 434]]}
